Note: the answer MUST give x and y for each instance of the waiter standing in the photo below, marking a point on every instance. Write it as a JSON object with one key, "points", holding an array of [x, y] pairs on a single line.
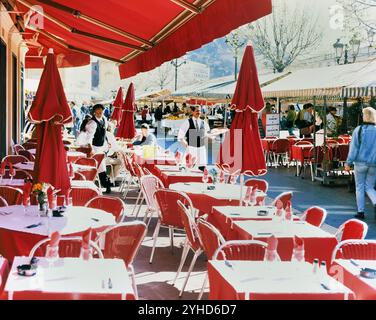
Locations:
{"points": [[193, 134], [97, 139]]}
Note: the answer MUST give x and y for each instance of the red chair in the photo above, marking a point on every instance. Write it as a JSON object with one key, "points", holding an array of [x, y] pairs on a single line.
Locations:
{"points": [[211, 240], [192, 242], [30, 145], [284, 197], [99, 157], [13, 196], [352, 229], [69, 247], [14, 159], [79, 176], [315, 216], [114, 206], [3, 202], [27, 154], [303, 143], [280, 151], [17, 148], [90, 174], [250, 250], [81, 196], [19, 174], [355, 249], [4, 271], [123, 241], [168, 216], [262, 185], [87, 162]]}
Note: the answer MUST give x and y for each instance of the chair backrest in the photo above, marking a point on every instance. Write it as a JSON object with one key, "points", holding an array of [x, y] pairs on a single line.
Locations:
{"points": [[303, 143], [99, 157], [27, 154], [150, 184], [316, 154], [251, 250], [3, 202], [79, 176], [123, 240], [190, 227], [281, 146], [13, 196], [114, 206], [17, 148], [18, 174], [355, 249], [211, 238], [271, 137], [30, 145], [68, 247], [81, 196], [315, 216], [168, 208], [87, 162], [284, 197], [13, 159], [137, 170], [262, 185], [352, 229], [90, 174]]}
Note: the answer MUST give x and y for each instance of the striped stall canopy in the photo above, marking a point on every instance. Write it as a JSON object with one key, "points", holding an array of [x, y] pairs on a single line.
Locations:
{"points": [[355, 92]]}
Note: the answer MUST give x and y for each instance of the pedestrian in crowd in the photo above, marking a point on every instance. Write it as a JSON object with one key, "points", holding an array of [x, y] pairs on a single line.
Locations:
{"points": [[144, 114], [186, 109], [167, 110], [176, 108], [362, 155], [305, 121], [332, 122], [158, 116], [290, 119]]}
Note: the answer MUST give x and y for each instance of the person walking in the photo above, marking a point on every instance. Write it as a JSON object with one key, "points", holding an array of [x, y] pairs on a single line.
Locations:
{"points": [[362, 155], [290, 120]]}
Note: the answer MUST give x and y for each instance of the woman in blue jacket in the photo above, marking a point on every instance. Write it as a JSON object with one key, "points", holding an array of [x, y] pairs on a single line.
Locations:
{"points": [[362, 155]]}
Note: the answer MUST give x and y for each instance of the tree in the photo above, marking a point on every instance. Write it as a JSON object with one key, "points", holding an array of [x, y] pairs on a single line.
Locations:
{"points": [[285, 35], [163, 76], [236, 41], [360, 18]]}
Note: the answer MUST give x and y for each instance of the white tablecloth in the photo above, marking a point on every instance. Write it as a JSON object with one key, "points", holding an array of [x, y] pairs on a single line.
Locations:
{"points": [[75, 220], [70, 153], [176, 169], [72, 275], [28, 166], [284, 229], [356, 270], [174, 125], [18, 183], [275, 277], [222, 190], [245, 213], [13, 183]]}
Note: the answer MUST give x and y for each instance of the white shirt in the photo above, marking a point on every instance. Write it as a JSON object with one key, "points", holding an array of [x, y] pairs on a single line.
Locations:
{"points": [[91, 127], [185, 127]]}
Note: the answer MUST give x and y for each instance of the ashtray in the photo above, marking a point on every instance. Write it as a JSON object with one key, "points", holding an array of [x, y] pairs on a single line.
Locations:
{"points": [[368, 273], [210, 188], [262, 213], [27, 270], [57, 213]]}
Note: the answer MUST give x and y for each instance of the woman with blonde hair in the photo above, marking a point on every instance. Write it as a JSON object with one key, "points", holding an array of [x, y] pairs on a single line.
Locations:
{"points": [[362, 155]]}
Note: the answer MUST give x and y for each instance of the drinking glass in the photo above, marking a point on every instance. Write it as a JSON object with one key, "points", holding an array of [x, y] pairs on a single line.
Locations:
{"points": [[86, 254], [52, 253]]}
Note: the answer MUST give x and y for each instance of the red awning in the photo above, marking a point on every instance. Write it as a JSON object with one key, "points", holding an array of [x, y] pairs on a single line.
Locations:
{"points": [[143, 33], [38, 49]]}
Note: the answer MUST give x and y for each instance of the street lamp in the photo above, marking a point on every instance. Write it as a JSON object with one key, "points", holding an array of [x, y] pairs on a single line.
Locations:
{"points": [[341, 48], [338, 47], [177, 65], [355, 46], [370, 37]]}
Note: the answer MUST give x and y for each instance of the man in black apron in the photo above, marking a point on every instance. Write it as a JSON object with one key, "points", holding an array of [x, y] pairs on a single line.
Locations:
{"points": [[97, 139]]}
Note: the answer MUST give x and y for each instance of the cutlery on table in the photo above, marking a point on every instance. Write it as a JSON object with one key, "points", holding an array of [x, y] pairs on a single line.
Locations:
{"points": [[227, 263], [96, 220], [34, 225], [109, 283], [324, 286], [353, 262]]}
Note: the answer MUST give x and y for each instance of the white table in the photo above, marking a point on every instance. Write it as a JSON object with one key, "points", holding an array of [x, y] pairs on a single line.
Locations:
{"points": [[174, 125], [75, 220], [222, 190], [28, 166], [263, 280], [70, 153], [12, 182], [18, 183], [71, 277], [166, 168]]}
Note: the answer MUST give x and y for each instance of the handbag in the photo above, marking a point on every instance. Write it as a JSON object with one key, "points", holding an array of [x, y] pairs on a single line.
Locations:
{"points": [[306, 131]]}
